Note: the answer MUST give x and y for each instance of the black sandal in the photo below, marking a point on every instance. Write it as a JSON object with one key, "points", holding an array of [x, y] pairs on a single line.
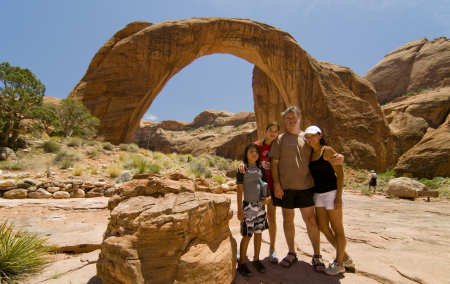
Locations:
{"points": [[318, 263], [291, 262]]}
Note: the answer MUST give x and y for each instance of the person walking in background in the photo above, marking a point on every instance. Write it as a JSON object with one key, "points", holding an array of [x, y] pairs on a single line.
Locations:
{"points": [[251, 208], [271, 133], [329, 198], [373, 180]]}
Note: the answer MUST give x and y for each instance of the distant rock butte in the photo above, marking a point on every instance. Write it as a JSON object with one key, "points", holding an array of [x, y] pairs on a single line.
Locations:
{"points": [[417, 64], [130, 70], [217, 132]]}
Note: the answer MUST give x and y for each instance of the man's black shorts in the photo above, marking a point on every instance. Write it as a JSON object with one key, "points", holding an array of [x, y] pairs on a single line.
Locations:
{"points": [[295, 199]]}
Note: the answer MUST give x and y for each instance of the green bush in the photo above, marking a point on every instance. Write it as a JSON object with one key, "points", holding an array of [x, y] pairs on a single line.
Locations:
{"points": [[108, 146], [20, 253], [133, 147], [75, 142], [158, 155], [90, 143], [12, 165], [114, 170], [56, 138], [198, 168], [51, 147], [220, 179], [94, 152], [66, 163], [124, 147], [429, 183], [222, 165], [154, 168], [205, 156], [208, 173], [183, 159], [72, 155]]}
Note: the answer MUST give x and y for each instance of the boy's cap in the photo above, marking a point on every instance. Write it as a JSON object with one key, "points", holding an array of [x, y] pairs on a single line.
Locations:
{"points": [[372, 171], [313, 130]]}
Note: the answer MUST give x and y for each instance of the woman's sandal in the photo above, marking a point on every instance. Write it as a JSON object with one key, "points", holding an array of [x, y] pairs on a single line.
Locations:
{"points": [[317, 263], [291, 262]]}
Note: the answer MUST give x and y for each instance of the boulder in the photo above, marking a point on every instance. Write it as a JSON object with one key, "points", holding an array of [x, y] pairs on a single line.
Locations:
{"points": [[231, 173], [18, 193], [417, 64], [40, 193], [23, 185], [77, 193], [110, 191], [95, 192], [404, 187], [7, 154], [7, 184], [156, 236], [61, 194], [123, 177]]}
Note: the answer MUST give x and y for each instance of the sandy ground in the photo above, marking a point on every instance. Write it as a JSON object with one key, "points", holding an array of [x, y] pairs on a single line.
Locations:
{"points": [[391, 240]]}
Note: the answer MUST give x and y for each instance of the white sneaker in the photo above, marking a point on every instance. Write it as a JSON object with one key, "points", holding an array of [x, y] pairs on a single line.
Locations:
{"points": [[334, 269], [349, 263], [273, 257], [238, 256]]}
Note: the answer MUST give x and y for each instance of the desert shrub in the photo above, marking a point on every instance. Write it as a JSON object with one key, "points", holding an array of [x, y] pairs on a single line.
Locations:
{"points": [[385, 102], [146, 153], [90, 143], [154, 168], [198, 168], [77, 170], [75, 142], [56, 138], [93, 169], [183, 159], [429, 183], [51, 147], [124, 147], [390, 173], [20, 253], [189, 157], [143, 166], [222, 165], [410, 94], [205, 156], [130, 161], [133, 147], [366, 191], [235, 164], [108, 146], [95, 152], [208, 173], [12, 165], [114, 170], [72, 155], [220, 179], [66, 163], [396, 95], [158, 155], [166, 164]]}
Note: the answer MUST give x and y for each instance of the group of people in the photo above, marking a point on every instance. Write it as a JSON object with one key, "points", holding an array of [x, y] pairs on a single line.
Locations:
{"points": [[301, 172]]}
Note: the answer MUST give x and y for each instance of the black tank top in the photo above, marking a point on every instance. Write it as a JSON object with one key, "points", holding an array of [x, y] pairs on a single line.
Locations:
{"points": [[324, 176]]}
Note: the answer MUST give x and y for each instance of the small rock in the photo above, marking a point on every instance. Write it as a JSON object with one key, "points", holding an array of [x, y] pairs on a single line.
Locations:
{"points": [[53, 189], [77, 193], [124, 176], [40, 193], [7, 184], [17, 193], [61, 195], [110, 191], [23, 174], [231, 173], [7, 154], [23, 185]]}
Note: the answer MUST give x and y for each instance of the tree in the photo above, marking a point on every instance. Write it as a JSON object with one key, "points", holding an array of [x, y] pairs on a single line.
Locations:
{"points": [[75, 119], [46, 118], [20, 93]]}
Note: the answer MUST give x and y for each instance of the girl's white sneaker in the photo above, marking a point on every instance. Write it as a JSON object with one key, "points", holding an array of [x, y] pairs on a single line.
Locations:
{"points": [[334, 269]]}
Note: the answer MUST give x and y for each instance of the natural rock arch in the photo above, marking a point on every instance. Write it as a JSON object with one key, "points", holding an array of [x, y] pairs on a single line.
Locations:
{"points": [[129, 71]]}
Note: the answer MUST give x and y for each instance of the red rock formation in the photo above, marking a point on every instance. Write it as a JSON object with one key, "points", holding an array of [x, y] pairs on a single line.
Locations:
{"points": [[131, 69], [417, 64], [160, 231]]}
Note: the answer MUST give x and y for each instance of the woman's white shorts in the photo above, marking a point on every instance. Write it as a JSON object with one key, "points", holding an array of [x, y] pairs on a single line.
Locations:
{"points": [[327, 199]]}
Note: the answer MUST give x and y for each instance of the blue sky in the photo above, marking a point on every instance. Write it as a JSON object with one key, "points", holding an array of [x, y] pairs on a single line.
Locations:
{"points": [[56, 39]]}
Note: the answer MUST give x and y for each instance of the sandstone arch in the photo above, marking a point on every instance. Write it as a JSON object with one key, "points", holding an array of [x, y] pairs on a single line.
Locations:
{"points": [[129, 71]]}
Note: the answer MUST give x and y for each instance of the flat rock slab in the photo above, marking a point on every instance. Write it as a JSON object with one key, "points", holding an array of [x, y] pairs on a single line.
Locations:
{"points": [[73, 204]]}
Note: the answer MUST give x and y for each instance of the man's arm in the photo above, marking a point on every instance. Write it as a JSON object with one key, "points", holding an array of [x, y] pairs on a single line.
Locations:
{"points": [[337, 160], [277, 190]]}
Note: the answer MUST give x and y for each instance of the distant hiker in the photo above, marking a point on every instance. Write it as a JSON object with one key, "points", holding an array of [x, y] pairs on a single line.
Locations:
{"points": [[251, 208], [373, 180]]}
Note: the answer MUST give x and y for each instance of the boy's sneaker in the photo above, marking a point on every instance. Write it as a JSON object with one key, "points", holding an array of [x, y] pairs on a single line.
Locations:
{"points": [[244, 271], [259, 266], [273, 257], [334, 269]]}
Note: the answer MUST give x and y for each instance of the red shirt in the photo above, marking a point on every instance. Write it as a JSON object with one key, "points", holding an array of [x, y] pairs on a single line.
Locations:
{"points": [[265, 162]]}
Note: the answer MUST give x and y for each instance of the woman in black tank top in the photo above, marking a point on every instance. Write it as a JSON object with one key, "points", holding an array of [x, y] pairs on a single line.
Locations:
{"points": [[328, 194]]}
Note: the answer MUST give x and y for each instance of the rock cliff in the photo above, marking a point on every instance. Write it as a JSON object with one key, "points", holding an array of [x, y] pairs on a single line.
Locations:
{"points": [[417, 64]]}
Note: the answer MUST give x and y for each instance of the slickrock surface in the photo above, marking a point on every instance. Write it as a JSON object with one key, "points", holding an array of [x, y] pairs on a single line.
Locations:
{"points": [[418, 64], [411, 118], [130, 70], [391, 241]]}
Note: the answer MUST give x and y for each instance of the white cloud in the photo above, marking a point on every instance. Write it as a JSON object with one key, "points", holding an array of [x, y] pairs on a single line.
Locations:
{"points": [[150, 117]]}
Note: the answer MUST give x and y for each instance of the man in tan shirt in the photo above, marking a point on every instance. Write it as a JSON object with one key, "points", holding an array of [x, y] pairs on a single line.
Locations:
{"points": [[293, 185]]}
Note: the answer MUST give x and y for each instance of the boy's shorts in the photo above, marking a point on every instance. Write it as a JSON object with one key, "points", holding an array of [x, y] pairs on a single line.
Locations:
{"points": [[255, 219]]}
